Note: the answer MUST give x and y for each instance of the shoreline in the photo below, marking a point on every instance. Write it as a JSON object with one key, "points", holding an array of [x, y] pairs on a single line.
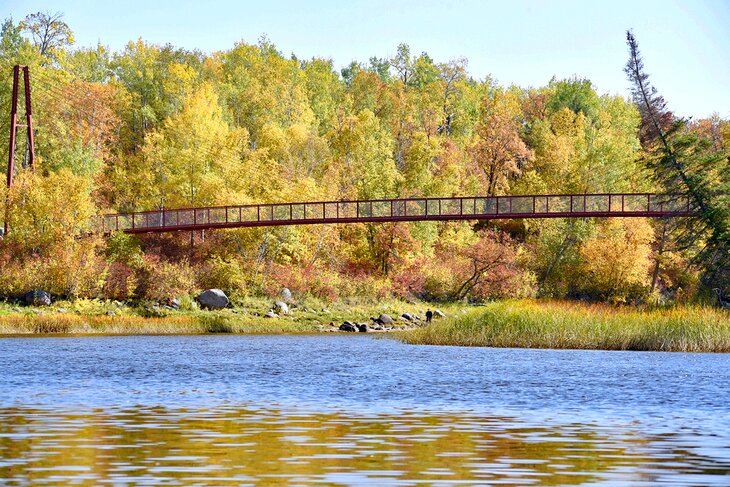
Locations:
{"points": [[250, 316], [526, 323], [572, 325]]}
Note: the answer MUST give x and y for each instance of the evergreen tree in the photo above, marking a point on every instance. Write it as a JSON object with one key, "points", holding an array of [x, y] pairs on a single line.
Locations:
{"points": [[684, 163]]}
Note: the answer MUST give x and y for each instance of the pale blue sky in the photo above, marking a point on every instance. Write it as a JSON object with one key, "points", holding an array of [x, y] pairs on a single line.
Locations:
{"points": [[686, 44]]}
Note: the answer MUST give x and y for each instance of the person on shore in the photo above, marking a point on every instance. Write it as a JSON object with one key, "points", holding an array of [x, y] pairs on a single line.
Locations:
{"points": [[429, 316]]}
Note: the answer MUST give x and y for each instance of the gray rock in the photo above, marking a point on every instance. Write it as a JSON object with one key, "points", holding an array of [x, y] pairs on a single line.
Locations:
{"points": [[384, 319], [174, 303], [439, 313], [271, 314], [286, 295], [213, 299], [37, 297], [349, 327], [407, 317], [111, 313], [363, 327], [281, 307], [62, 310]]}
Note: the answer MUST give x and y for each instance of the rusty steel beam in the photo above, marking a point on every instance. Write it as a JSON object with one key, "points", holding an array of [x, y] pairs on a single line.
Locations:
{"points": [[29, 118], [14, 131], [11, 146]]}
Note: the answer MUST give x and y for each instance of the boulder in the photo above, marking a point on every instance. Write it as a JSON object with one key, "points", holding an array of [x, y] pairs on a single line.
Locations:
{"points": [[385, 319], [439, 313], [407, 317], [174, 303], [349, 327], [286, 295], [281, 307], [37, 297], [271, 314], [363, 327], [213, 299]]}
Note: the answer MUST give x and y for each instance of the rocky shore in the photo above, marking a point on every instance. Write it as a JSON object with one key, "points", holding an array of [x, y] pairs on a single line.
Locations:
{"points": [[212, 311]]}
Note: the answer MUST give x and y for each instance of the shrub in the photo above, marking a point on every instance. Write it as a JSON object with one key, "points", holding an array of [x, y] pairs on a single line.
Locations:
{"points": [[225, 274], [165, 280]]}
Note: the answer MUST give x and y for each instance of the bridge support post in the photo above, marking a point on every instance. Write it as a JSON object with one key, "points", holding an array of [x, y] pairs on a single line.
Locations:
{"points": [[14, 131]]}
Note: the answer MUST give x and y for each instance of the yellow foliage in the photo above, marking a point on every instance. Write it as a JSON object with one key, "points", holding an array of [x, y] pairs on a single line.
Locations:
{"points": [[45, 211], [616, 263]]}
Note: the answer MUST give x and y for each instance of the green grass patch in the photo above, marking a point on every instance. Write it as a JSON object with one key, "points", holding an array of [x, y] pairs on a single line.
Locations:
{"points": [[246, 316], [571, 325]]}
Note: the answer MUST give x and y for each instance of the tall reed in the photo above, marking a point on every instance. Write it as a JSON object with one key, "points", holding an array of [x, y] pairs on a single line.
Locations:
{"points": [[561, 324]]}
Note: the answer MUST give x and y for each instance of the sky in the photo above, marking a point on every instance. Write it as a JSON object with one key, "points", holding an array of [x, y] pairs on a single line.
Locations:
{"points": [[685, 44]]}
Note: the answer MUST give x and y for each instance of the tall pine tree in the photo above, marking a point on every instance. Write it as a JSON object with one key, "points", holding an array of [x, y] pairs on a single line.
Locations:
{"points": [[684, 163]]}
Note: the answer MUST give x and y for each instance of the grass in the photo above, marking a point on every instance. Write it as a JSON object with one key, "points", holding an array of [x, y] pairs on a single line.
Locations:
{"points": [[523, 323], [109, 317], [571, 325]]}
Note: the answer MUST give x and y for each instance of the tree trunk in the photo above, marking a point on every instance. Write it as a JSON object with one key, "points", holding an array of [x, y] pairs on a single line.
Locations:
{"points": [[660, 251]]}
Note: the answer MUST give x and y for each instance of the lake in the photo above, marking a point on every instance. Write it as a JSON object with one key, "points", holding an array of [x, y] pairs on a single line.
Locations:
{"points": [[337, 409]]}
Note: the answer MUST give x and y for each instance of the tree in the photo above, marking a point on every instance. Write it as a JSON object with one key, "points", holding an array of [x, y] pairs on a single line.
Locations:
{"points": [[483, 268], [86, 117], [684, 163], [363, 153], [48, 31], [403, 63], [498, 149], [194, 156], [450, 74], [616, 261], [52, 244]]}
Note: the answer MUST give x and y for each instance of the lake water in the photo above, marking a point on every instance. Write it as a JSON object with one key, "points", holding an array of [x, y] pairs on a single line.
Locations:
{"points": [[355, 410]]}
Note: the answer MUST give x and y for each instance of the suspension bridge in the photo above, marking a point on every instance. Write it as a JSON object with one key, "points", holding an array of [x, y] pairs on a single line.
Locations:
{"points": [[402, 210], [361, 211]]}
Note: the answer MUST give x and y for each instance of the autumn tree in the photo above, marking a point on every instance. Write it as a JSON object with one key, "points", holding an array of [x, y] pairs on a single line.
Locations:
{"points": [[87, 122], [52, 242], [616, 261], [482, 267], [194, 156], [451, 75], [684, 163], [498, 150], [48, 31]]}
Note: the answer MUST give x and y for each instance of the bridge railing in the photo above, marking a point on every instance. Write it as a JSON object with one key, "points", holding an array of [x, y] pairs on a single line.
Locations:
{"points": [[406, 209]]}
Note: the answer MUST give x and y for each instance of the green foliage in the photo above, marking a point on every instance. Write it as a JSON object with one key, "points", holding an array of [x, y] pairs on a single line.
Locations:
{"points": [[682, 162], [153, 126]]}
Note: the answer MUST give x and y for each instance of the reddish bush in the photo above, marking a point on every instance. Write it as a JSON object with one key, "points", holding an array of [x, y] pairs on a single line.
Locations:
{"points": [[121, 282]]}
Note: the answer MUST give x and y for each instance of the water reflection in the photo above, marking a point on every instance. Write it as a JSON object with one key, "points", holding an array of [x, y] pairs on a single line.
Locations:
{"points": [[275, 446]]}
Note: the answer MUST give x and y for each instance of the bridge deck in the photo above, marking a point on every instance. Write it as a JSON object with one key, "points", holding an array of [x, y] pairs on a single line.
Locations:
{"points": [[410, 209]]}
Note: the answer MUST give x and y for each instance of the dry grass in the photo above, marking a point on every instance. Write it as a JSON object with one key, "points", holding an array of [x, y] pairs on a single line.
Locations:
{"points": [[570, 325], [70, 323], [59, 323]]}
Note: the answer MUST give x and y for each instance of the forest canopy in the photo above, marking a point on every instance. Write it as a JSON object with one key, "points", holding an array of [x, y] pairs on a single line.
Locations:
{"points": [[157, 126]]}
